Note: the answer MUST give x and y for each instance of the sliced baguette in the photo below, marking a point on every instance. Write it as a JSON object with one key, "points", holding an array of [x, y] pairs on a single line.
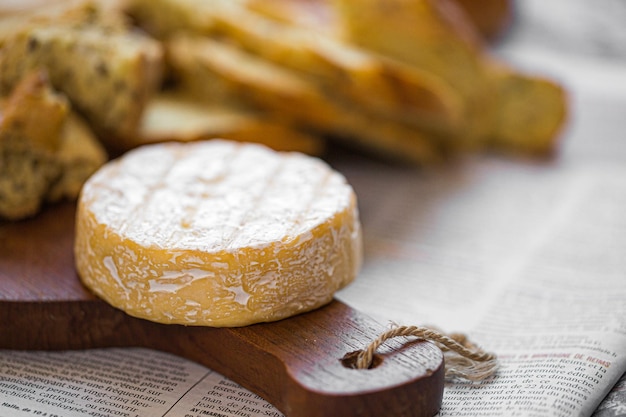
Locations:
{"points": [[209, 68], [173, 116]]}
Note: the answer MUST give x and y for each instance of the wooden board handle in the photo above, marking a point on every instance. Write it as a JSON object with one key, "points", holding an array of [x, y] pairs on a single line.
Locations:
{"points": [[295, 364]]}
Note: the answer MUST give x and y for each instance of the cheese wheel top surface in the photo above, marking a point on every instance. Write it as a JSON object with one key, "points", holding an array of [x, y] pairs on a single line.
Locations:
{"points": [[215, 196], [216, 233]]}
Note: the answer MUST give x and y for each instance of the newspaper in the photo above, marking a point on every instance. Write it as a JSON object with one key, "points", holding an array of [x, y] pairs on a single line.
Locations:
{"points": [[546, 290], [614, 404], [526, 257], [118, 383]]}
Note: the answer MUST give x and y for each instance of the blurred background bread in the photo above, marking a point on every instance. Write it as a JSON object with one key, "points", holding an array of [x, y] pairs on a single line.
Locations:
{"points": [[405, 80]]}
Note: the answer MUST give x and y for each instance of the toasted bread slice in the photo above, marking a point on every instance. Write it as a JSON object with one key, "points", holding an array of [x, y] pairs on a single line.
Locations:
{"points": [[164, 18], [30, 125], [174, 116], [431, 36], [80, 154], [210, 68], [341, 70], [316, 15], [107, 71], [492, 18], [35, 113], [503, 107], [384, 87], [41, 156], [530, 113]]}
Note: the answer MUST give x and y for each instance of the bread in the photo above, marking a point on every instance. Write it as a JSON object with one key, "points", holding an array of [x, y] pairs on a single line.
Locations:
{"points": [[107, 70], [428, 35], [530, 113], [337, 69], [419, 88], [212, 68], [30, 127], [312, 14], [492, 18], [175, 116], [42, 156], [500, 103], [216, 233], [80, 154]]}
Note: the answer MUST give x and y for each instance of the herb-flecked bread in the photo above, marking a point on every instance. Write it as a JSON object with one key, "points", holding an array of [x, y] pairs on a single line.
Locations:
{"points": [[107, 70], [45, 152]]}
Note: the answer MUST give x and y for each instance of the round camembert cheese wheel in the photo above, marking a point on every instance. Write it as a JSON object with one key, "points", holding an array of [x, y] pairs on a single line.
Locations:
{"points": [[216, 233]]}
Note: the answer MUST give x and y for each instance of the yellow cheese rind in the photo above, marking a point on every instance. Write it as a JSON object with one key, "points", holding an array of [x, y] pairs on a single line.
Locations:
{"points": [[216, 233]]}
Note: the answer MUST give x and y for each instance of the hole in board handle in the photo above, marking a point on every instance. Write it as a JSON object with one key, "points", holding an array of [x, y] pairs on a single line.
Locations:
{"points": [[349, 360]]}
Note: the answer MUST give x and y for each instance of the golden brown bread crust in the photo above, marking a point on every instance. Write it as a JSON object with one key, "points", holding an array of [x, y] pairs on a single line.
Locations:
{"points": [[212, 68], [30, 125], [492, 18], [35, 112], [80, 154], [437, 36], [42, 157], [313, 14], [107, 70], [176, 116], [432, 36], [530, 113]]}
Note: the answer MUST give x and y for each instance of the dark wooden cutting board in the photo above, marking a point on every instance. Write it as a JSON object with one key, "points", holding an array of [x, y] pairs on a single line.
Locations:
{"points": [[295, 363]]}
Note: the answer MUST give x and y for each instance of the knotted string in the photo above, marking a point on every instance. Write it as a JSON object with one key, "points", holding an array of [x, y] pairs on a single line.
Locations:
{"points": [[463, 359]]}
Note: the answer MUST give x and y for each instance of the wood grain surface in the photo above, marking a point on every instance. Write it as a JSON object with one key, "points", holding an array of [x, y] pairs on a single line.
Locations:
{"points": [[296, 364]]}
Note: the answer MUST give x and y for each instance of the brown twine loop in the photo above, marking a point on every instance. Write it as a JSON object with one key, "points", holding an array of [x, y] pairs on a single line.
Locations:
{"points": [[463, 359]]}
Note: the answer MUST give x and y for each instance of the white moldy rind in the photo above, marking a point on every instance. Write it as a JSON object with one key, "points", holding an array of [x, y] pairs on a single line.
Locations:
{"points": [[216, 233]]}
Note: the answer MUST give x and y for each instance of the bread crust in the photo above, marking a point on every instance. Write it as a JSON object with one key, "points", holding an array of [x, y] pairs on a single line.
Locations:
{"points": [[43, 157]]}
